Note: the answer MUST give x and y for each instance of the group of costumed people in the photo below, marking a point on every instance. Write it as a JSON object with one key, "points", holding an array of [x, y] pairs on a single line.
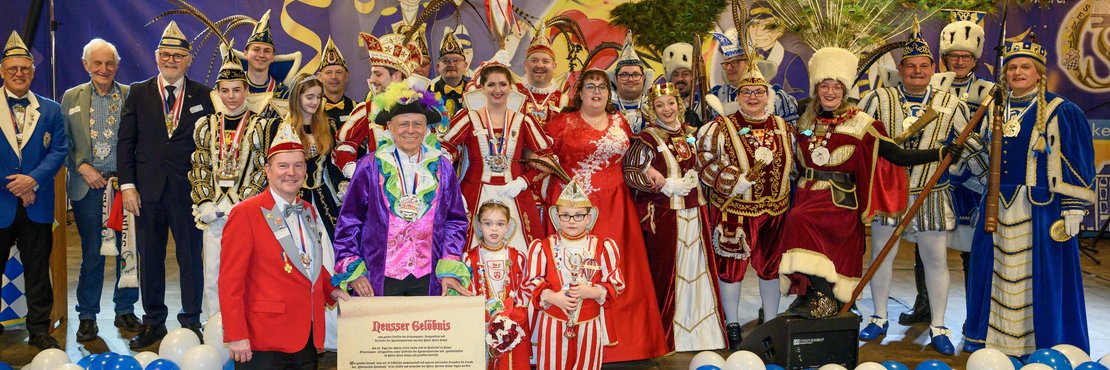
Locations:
{"points": [[614, 222]]}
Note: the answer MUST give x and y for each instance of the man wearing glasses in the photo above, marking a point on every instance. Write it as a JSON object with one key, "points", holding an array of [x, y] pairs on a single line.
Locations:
{"points": [[631, 76], [35, 147], [451, 70], [153, 159], [735, 63]]}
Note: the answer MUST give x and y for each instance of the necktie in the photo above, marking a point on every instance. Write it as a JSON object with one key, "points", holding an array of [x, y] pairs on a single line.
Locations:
{"points": [[293, 208], [171, 98]]}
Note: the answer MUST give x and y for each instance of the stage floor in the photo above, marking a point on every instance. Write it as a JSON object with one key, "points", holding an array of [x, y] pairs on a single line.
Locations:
{"points": [[906, 344]]}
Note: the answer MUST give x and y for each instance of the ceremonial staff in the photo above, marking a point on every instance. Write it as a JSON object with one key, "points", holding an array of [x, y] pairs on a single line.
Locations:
{"points": [[996, 143], [990, 222]]}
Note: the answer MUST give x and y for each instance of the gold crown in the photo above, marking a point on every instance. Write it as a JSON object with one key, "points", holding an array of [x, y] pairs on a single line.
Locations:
{"points": [[1028, 48], [957, 15], [658, 90]]}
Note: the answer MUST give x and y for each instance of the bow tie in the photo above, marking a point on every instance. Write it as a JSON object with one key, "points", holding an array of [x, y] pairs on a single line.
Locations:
{"points": [[23, 102], [340, 105], [456, 89], [293, 208]]}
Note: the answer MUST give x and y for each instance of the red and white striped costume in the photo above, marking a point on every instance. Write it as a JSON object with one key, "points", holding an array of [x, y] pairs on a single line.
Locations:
{"points": [[547, 270], [359, 133]]}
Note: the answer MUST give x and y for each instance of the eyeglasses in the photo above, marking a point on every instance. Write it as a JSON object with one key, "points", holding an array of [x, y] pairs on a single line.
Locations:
{"points": [[165, 57], [732, 63], [756, 93], [451, 60], [577, 217], [17, 70], [960, 57], [630, 76], [597, 88]]}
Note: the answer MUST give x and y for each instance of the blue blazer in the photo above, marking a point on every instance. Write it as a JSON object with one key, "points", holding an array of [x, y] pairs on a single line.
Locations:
{"points": [[44, 149]]}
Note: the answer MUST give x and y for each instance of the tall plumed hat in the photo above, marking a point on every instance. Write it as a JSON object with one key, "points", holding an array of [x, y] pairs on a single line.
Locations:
{"points": [[285, 141], [677, 55], [754, 77], [172, 38], [540, 44], [964, 33], [331, 56], [915, 44], [231, 70], [1027, 48], [16, 48], [389, 51], [261, 33]]}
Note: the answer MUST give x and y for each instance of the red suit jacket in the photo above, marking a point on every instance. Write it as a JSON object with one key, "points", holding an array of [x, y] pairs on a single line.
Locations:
{"points": [[265, 291]]}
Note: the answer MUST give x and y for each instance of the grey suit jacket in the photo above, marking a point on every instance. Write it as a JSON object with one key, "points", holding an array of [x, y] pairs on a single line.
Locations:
{"points": [[75, 113]]}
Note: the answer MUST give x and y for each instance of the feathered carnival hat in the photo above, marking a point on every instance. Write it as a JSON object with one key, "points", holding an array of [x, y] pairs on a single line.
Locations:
{"points": [[331, 56], [629, 57], [172, 38], [400, 98], [965, 33], [285, 141], [16, 48]]}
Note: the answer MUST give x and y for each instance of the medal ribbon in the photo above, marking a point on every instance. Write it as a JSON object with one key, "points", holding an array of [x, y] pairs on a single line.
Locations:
{"points": [[303, 246], [924, 101], [1020, 115], [488, 125], [175, 111], [401, 169], [234, 149]]}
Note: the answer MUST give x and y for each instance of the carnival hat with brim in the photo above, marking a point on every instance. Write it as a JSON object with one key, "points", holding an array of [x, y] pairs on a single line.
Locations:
{"points": [[15, 48], [285, 141], [399, 98], [172, 38]]}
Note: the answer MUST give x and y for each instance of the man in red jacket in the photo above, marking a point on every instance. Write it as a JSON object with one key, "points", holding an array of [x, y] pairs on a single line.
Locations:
{"points": [[272, 286]]}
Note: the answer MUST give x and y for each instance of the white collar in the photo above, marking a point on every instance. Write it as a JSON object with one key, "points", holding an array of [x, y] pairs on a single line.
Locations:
{"points": [[540, 90], [9, 93], [279, 202], [405, 158], [180, 82]]}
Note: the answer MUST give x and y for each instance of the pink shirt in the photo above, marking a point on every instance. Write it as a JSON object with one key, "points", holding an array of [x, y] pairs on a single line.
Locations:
{"points": [[409, 247]]}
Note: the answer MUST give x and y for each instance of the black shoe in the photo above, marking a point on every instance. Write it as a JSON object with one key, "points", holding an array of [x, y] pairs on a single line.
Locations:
{"points": [[87, 330], [129, 322], [196, 330], [759, 320], [43, 341], [735, 335], [817, 306], [920, 313], [149, 336]]}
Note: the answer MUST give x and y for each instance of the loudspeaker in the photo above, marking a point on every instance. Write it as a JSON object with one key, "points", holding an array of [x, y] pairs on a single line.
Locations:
{"points": [[795, 343]]}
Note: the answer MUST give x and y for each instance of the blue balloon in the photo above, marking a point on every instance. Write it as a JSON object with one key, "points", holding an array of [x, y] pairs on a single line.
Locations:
{"points": [[103, 361], [1017, 362], [895, 365], [124, 362], [933, 365], [87, 361], [1050, 357], [5, 366], [1091, 365], [229, 365], [162, 364], [708, 367], [774, 367]]}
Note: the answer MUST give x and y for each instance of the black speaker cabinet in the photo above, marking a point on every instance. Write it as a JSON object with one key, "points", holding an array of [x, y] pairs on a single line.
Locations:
{"points": [[797, 343]]}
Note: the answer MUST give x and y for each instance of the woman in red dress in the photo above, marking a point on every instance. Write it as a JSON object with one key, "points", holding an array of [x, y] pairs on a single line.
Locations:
{"points": [[590, 138], [493, 134]]}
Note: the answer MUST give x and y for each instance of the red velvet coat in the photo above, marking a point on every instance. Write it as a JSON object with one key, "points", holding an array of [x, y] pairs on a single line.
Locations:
{"points": [[266, 296]]}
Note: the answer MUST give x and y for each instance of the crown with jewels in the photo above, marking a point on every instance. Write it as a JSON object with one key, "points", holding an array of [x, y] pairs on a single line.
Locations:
{"points": [[658, 90], [1028, 48], [958, 15]]}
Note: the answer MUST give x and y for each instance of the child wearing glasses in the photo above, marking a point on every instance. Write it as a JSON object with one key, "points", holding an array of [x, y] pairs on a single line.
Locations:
{"points": [[497, 273], [573, 276]]}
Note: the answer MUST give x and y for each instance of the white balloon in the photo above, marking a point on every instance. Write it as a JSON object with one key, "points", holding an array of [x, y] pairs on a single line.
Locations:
{"points": [[214, 335], [832, 367], [1075, 355], [870, 366], [744, 360], [176, 343], [51, 358], [707, 358], [146, 357], [1037, 366], [989, 359], [202, 357], [70, 366]]}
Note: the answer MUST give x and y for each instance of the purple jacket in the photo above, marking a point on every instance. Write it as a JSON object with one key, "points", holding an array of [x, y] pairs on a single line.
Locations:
{"points": [[364, 222]]}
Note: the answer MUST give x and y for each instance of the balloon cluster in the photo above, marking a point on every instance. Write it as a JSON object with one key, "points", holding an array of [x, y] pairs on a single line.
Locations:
{"points": [[1059, 357], [180, 350]]}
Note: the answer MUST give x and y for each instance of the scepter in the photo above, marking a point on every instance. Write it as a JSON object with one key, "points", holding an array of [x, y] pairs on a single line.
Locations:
{"points": [[990, 219]]}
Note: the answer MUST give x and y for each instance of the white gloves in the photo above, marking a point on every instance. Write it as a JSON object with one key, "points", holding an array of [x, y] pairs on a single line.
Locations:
{"points": [[349, 170], [680, 186], [742, 186], [511, 189], [206, 213], [1072, 220]]}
